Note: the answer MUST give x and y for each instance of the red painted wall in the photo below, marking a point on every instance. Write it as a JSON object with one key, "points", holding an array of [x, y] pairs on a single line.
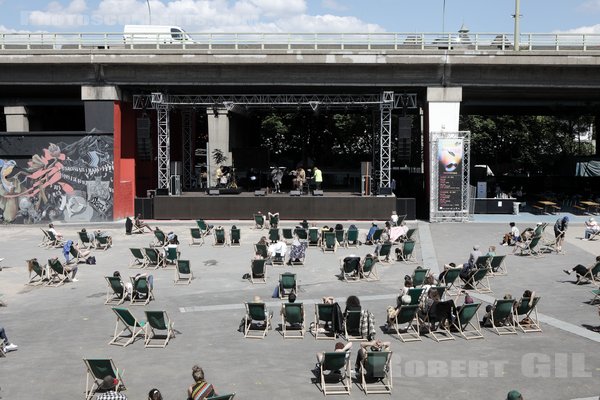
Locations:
{"points": [[124, 158]]}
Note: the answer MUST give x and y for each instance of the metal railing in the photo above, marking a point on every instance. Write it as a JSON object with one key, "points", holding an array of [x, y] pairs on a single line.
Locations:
{"points": [[300, 41]]}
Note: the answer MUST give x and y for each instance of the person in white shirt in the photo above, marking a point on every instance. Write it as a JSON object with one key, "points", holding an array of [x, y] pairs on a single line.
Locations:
{"points": [[591, 228]]}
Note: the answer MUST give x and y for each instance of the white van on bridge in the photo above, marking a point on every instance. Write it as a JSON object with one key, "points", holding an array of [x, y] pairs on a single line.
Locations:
{"points": [[154, 34]]}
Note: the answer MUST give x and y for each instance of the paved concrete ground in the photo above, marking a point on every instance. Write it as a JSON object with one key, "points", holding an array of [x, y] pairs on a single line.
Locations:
{"points": [[56, 328]]}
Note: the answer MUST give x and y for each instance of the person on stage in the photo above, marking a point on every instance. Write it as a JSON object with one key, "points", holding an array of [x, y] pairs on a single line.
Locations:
{"points": [[318, 177], [300, 178]]}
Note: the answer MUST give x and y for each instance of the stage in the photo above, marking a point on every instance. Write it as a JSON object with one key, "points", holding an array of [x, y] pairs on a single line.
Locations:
{"points": [[330, 206]]}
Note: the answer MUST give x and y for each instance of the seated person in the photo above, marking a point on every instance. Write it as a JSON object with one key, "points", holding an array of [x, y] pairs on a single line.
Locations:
{"points": [[149, 279], [127, 286], [487, 317], [591, 228], [304, 224], [90, 235], [138, 223], [201, 389], [511, 237], [408, 284], [297, 252], [103, 234], [469, 267], [392, 312], [372, 230], [348, 259], [581, 270], [447, 267], [56, 234], [365, 347], [529, 295], [277, 251], [362, 263], [67, 251], [394, 219]]}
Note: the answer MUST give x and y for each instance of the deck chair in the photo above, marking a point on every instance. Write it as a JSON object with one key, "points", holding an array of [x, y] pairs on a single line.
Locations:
{"points": [[160, 239], [384, 253], [596, 293], [407, 315], [351, 238], [376, 236], [442, 316], [229, 396], [313, 237], [501, 317], [84, 241], [77, 255], [350, 267], [274, 235], [138, 259], [410, 233], [288, 235], [204, 227], [302, 234], [323, 317], [235, 236], [287, 284], [352, 325], [197, 237], [45, 239], [258, 271], [219, 236], [262, 249], [467, 322], [498, 265], [102, 243], [97, 369], [407, 252], [131, 328], [53, 241], [115, 292], [415, 295], [274, 221], [530, 247], [153, 258], [479, 281], [483, 261], [259, 221], [449, 281], [338, 365], [418, 276], [292, 320], [142, 292], [340, 236], [183, 273], [59, 273], [526, 316], [591, 275], [171, 256], [257, 321], [158, 328], [369, 269], [38, 275], [376, 372], [329, 242]]}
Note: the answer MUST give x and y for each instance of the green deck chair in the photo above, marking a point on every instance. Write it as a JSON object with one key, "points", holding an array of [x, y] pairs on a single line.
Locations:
{"points": [[596, 293], [329, 242], [115, 292], [410, 233], [449, 281], [407, 315], [526, 316], [292, 321], [142, 293], [229, 396], [159, 328], [262, 249], [38, 274], [434, 316], [183, 273], [302, 234], [419, 275], [274, 234], [415, 295], [287, 284], [377, 235], [324, 315], [467, 322], [591, 275], [235, 237], [97, 369], [338, 363], [171, 256], [376, 372], [498, 265], [59, 273], [53, 241], [351, 238], [160, 239], [483, 261], [313, 237], [287, 234], [84, 241], [197, 237], [479, 281], [369, 269], [153, 258], [502, 317], [352, 325], [259, 221], [138, 258], [45, 239], [204, 227], [102, 242], [257, 321], [350, 267], [77, 255], [219, 236], [407, 253], [340, 236], [131, 328], [530, 247], [258, 271], [384, 253], [274, 221]]}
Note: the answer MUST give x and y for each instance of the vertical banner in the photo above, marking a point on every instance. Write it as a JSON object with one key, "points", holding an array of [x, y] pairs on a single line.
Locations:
{"points": [[450, 174]]}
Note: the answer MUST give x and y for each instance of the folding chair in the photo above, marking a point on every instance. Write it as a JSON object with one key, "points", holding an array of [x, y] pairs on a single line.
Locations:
{"points": [[77, 255], [502, 317], [257, 321], [287, 284], [197, 237], [159, 327], [329, 242], [350, 267], [415, 295], [160, 239], [483, 262], [340, 236], [410, 233], [84, 241], [407, 252], [302, 234], [59, 273], [171, 256], [142, 292], [259, 221], [479, 281], [530, 247], [292, 320], [338, 365], [498, 265], [274, 235], [235, 237], [262, 249], [384, 253], [97, 369], [376, 372], [274, 220], [115, 292], [139, 259], [591, 275], [287, 234], [352, 325], [449, 281], [419, 275], [376, 236], [204, 227], [53, 241], [464, 323], [440, 314], [407, 314], [313, 237], [323, 313], [258, 271], [46, 241], [368, 271], [219, 236], [183, 273], [351, 238], [154, 258], [526, 316], [229, 396], [596, 293], [40, 274], [103, 242], [131, 328]]}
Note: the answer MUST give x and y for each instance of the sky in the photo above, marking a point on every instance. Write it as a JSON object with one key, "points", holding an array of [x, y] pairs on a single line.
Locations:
{"points": [[423, 16]]}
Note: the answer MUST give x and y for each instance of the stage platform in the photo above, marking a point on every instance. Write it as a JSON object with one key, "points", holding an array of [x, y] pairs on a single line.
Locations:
{"points": [[330, 206]]}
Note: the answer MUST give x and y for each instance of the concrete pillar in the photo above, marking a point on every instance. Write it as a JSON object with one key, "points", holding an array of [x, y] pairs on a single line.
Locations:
{"points": [[444, 108], [16, 119], [218, 138]]}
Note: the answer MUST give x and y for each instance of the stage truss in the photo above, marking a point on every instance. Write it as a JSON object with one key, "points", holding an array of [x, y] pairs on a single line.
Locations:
{"points": [[386, 102]]}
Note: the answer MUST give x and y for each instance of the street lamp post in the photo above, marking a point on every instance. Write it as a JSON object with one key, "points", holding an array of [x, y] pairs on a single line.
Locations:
{"points": [[149, 12], [517, 20], [444, 16]]}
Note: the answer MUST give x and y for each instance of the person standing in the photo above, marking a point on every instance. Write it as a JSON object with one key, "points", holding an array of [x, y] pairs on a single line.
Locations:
{"points": [[560, 230], [318, 177]]}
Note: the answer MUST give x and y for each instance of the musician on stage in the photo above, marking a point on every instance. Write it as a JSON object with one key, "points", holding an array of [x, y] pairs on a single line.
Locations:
{"points": [[318, 177], [300, 178]]}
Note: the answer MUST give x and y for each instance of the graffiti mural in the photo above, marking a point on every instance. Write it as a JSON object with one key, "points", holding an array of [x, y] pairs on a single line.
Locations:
{"points": [[72, 182]]}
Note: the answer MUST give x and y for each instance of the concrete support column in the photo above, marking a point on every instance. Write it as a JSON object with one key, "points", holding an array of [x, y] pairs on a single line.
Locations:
{"points": [[16, 119], [444, 108], [218, 138]]}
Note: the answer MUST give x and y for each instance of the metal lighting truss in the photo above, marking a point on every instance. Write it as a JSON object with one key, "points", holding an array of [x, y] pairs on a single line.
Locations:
{"points": [[385, 139], [164, 146]]}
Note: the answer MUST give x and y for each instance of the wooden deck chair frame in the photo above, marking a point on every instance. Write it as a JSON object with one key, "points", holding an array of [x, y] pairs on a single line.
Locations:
{"points": [[532, 247], [524, 310], [256, 266], [336, 362], [170, 257], [293, 314], [45, 243], [256, 312], [442, 333], [314, 239], [160, 239], [197, 237], [115, 291], [84, 241], [467, 322], [158, 328], [419, 275], [385, 253], [377, 367], [40, 274], [235, 237], [368, 272], [352, 326], [139, 259], [449, 281], [154, 259], [498, 266], [288, 283], [410, 233], [53, 241], [136, 299], [479, 281], [219, 237], [183, 272], [97, 369], [503, 309], [77, 255], [58, 273], [590, 276], [596, 298], [407, 314], [129, 325], [102, 243], [204, 227], [323, 312], [351, 239], [350, 269], [407, 255], [329, 242], [259, 221]]}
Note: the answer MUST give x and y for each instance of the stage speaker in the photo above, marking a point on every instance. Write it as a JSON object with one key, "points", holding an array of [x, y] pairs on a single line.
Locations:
{"points": [[259, 193], [404, 127], [385, 191], [162, 191], [317, 193], [175, 185], [365, 168], [214, 192], [295, 193]]}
